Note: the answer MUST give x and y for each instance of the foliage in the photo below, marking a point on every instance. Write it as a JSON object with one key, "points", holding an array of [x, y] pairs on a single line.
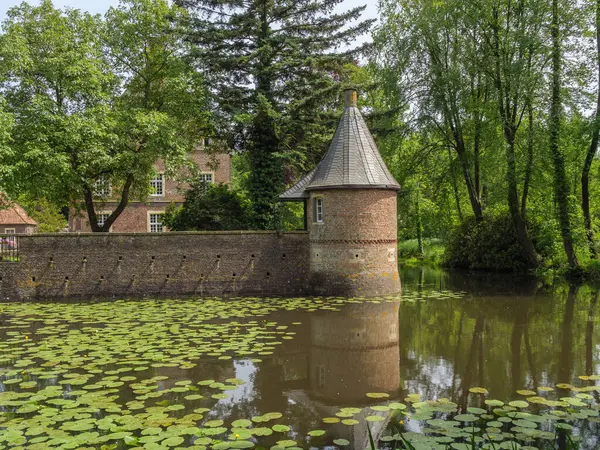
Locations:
{"points": [[274, 70], [409, 252], [472, 82], [95, 99], [49, 217], [489, 245], [209, 207]]}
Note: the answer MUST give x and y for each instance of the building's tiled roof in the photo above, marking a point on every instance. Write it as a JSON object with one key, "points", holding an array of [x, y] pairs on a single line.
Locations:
{"points": [[352, 160], [13, 214], [297, 191]]}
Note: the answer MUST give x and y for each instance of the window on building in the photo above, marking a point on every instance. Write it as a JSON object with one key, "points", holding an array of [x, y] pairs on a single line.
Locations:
{"points": [[156, 223], [206, 179], [102, 218], [320, 376], [157, 185], [102, 186], [318, 209]]}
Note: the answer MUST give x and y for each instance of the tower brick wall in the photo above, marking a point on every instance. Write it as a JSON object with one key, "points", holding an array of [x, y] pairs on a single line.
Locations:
{"points": [[353, 252], [357, 348]]}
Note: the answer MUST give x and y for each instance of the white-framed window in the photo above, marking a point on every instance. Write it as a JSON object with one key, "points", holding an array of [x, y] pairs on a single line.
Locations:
{"points": [[157, 185], [206, 178], [102, 218], [155, 222], [318, 209], [102, 186]]}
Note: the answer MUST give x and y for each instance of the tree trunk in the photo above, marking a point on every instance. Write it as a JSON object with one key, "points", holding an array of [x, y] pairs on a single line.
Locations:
{"points": [[464, 162], [530, 254], [561, 188], [476, 152], [455, 187], [419, 223], [91, 210], [593, 148], [529, 167]]}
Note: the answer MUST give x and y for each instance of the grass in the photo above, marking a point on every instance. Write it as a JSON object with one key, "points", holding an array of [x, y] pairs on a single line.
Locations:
{"points": [[403, 444], [409, 254]]}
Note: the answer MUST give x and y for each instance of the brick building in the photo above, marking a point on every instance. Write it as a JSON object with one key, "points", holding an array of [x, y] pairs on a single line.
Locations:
{"points": [[14, 219], [350, 204], [146, 216]]}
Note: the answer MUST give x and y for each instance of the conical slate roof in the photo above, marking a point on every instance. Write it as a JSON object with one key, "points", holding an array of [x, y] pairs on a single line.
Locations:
{"points": [[352, 161]]}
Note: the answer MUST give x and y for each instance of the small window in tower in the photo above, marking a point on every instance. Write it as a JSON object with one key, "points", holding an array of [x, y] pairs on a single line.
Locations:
{"points": [[320, 376], [318, 209]]}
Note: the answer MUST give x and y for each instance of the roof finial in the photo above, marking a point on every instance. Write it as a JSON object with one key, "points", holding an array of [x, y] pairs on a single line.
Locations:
{"points": [[350, 97]]}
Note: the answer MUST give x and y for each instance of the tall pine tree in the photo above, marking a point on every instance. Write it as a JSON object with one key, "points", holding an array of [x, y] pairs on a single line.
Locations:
{"points": [[275, 67]]}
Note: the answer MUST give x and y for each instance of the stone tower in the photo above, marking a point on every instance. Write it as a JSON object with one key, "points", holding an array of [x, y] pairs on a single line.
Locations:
{"points": [[350, 204]]}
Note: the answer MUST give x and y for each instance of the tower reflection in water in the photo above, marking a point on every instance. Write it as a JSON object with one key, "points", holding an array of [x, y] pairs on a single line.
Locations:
{"points": [[351, 353]]}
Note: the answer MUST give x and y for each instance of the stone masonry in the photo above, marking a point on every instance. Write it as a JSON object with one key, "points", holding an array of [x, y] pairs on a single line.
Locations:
{"points": [[59, 266], [353, 251]]}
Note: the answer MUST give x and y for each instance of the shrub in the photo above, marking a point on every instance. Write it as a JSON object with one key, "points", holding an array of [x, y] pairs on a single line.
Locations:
{"points": [[209, 207], [490, 245]]}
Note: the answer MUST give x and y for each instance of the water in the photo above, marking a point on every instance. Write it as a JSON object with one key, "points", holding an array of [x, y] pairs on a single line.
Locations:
{"points": [[139, 364]]}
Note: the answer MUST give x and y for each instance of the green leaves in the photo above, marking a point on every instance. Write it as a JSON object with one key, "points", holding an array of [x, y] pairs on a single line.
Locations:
{"points": [[96, 99]]}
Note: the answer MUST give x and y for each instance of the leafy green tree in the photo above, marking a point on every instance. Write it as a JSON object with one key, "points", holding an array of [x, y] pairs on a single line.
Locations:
{"points": [[512, 31], [209, 207], [96, 101], [593, 148], [273, 67], [561, 187], [49, 217], [6, 126], [430, 52]]}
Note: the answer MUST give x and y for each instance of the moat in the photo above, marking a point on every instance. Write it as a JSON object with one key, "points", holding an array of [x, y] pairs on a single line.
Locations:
{"points": [[306, 372]]}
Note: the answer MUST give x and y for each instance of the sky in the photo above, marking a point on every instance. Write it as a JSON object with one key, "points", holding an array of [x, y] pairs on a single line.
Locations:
{"points": [[100, 6]]}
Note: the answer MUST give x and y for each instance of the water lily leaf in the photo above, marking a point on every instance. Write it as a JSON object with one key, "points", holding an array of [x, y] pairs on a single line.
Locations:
{"points": [[281, 428], [380, 408], [331, 420], [213, 423], [241, 423], [519, 404], [377, 395], [374, 418], [350, 422], [526, 392], [341, 442], [478, 390], [465, 417], [239, 444], [398, 406], [494, 403], [130, 440], [316, 433]]}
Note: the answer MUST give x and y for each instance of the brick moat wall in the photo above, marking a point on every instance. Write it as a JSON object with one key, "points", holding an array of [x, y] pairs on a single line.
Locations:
{"points": [[121, 265]]}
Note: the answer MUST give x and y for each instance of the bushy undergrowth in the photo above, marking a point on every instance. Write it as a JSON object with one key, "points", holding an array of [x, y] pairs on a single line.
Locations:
{"points": [[492, 244], [409, 252]]}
